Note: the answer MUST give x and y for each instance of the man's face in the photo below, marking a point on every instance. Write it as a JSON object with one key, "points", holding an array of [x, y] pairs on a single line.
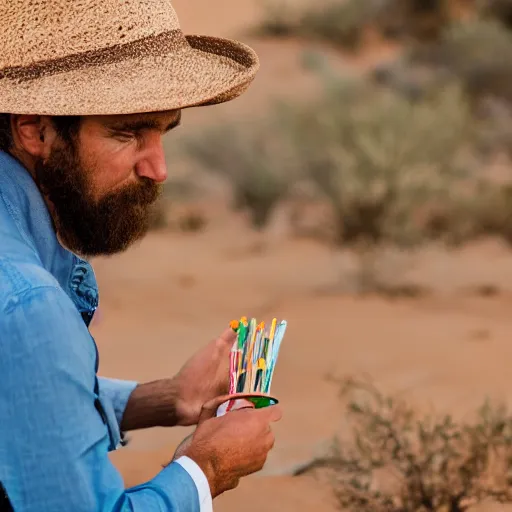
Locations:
{"points": [[102, 184]]}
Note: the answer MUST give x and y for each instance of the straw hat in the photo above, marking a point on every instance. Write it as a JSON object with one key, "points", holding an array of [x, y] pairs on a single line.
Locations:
{"points": [[92, 57]]}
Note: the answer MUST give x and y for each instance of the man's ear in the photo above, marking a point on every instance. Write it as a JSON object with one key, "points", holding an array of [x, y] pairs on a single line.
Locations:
{"points": [[33, 134]]}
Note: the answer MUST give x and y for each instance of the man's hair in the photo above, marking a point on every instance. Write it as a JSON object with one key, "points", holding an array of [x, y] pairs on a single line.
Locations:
{"points": [[67, 128]]}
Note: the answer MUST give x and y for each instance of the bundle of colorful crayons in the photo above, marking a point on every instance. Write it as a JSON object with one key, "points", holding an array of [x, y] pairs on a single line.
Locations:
{"points": [[254, 355]]}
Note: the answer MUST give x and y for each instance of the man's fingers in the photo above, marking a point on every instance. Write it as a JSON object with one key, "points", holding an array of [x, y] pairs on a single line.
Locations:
{"points": [[226, 339], [209, 409]]}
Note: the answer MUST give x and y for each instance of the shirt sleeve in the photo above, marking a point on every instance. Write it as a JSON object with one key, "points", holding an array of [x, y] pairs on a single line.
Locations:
{"points": [[116, 392], [53, 442], [203, 487]]}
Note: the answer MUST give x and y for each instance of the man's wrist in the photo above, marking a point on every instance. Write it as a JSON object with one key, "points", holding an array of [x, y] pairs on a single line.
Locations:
{"points": [[203, 463], [153, 404]]}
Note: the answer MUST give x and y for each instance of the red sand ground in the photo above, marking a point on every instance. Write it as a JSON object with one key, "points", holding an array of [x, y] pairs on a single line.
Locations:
{"points": [[164, 299]]}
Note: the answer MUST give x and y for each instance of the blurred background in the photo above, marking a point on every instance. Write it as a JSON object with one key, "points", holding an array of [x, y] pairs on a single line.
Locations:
{"points": [[361, 189]]}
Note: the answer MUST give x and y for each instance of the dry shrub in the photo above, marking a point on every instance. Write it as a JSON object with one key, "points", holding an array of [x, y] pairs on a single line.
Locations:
{"points": [[419, 20], [477, 54], [338, 22], [398, 461], [252, 160], [486, 212], [343, 22], [279, 20], [380, 160], [396, 173]]}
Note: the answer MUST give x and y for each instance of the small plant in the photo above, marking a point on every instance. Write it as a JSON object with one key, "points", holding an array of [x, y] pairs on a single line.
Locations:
{"points": [[397, 461], [254, 162]]}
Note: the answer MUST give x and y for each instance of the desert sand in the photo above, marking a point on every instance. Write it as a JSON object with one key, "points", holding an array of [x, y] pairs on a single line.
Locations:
{"points": [[173, 292]]}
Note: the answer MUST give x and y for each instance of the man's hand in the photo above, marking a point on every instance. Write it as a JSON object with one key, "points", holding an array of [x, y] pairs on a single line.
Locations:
{"points": [[232, 446], [204, 377], [178, 401]]}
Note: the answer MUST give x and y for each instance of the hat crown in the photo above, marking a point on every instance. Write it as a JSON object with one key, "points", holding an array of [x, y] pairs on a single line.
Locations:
{"points": [[39, 30]]}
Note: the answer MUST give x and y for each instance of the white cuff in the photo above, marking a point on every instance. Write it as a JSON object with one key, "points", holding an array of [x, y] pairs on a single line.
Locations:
{"points": [[203, 487]]}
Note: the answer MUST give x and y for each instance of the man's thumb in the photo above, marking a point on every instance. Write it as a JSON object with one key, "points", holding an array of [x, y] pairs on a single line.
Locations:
{"points": [[226, 339], [272, 412]]}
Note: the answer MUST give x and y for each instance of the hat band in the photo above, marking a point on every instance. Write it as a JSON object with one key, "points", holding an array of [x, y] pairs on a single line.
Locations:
{"points": [[151, 46]]}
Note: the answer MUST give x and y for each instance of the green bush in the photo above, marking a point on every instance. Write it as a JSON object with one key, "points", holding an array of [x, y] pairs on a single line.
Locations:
{"points": [[421, 20], [487, 212], [477, 54], [395, 172], [252, 160], [398, 461], [343, 22], [381, 161], [378, 157], [278, 21], [339, 22]]}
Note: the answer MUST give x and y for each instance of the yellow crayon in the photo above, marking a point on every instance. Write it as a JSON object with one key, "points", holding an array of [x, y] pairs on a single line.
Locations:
{"points": [[273, 329], [271, 338]]}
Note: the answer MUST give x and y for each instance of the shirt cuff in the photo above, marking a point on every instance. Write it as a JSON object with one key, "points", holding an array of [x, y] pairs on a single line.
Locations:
{"points": [[117, 392], [203, 487]]}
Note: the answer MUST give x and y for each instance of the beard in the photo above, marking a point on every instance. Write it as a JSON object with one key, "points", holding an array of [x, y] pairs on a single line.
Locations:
{"points": [[88, 226]]}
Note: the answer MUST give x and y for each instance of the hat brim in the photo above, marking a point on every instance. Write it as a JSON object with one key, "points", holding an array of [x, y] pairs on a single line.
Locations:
{"points": [[207, 71]]}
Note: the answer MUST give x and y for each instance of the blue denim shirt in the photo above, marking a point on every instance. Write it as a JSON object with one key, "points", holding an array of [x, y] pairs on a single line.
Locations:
{"points": [[57, 419]]}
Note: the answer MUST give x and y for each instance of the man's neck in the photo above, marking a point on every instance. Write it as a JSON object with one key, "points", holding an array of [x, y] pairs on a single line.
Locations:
{"points": [[28, 161]]}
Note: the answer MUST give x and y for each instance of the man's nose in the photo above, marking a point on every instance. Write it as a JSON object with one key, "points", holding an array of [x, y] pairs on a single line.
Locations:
{"points": [[152, 160]]}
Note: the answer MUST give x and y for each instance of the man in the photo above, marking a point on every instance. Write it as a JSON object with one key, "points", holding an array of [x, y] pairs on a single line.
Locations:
{"points": [[88, 88]]}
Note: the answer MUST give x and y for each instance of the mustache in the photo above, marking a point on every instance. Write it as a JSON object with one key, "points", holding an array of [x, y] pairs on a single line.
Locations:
{"points": [[143, 193]]}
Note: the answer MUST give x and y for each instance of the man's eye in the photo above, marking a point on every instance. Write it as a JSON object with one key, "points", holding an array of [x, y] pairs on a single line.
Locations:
{"points": [[124, 136]]}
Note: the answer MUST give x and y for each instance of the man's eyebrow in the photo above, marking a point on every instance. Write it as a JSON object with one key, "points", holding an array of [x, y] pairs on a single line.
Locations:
{"points": [[143, 124]]}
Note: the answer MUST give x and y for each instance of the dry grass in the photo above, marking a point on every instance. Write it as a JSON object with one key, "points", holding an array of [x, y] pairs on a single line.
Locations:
{"points": [[398, 461]]}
